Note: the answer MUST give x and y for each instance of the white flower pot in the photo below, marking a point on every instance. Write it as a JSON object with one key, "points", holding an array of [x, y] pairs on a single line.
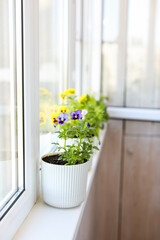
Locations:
{"points": [[64, 186]]}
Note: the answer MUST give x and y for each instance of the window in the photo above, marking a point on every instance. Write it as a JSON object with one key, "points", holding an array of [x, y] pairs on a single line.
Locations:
{"points": [[19, 112], [130, 53], [70, 54], [111, 84], [85, 44], [11, 112], [53, 55]]}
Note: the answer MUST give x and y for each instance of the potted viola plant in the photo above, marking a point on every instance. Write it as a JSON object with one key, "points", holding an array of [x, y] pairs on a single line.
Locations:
{"points": [[96, 111], [64, 174]]}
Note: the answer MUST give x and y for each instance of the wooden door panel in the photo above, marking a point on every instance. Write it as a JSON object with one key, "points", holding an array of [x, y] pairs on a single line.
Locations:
{"points": [[142, 128], [108, 184], [141, 189], [100, 219]]}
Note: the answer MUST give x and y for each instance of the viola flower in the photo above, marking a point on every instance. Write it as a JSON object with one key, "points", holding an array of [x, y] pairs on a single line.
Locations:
{"points": [[54, 118], [82, 98], [42, 118], [63, 109], [62, 95], [70, 91], [62, 118], [76, 115], [84, 112], [88, 125], [44, 91]]}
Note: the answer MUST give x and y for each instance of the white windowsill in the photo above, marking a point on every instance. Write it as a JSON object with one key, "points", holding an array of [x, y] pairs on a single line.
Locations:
{"points": [[45, 222]]}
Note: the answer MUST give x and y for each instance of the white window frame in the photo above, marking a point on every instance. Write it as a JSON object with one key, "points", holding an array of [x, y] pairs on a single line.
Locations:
{"points": [[18, 212]]}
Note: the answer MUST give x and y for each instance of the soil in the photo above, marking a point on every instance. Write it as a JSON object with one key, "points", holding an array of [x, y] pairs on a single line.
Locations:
{"points": [[55, 160]]}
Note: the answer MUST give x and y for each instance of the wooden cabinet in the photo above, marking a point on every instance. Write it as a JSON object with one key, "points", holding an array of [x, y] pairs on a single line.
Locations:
{"points": [[125, 201]]}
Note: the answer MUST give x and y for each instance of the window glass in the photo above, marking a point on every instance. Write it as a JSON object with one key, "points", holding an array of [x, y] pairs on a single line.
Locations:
{"points": [[137, 79], [130, 53], [111, 83], [10, 109], [53, 64]]}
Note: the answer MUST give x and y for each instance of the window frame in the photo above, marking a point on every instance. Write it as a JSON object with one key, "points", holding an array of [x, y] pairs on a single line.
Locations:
{"points": [[27, 11]]}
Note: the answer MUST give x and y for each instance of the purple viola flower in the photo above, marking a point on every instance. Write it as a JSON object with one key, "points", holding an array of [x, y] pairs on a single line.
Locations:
{"points": [[62, 118], [99, 143], [76, 115], [88, 125]]}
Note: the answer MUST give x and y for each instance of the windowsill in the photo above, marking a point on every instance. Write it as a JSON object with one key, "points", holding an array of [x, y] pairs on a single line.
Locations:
{"points": [[46, 222]]}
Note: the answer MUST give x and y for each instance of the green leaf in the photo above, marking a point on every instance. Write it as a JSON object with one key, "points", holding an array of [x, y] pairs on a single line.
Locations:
{"points": [[96, 148], [55, 143]]}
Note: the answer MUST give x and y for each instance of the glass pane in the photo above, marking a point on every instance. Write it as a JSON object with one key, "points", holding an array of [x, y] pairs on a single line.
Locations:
{"points": [[5, 121], [53, 50], [9, 107], [143, 85], [87, 46], [111, 86], [156, 94], [110, 22], [111, 83]]}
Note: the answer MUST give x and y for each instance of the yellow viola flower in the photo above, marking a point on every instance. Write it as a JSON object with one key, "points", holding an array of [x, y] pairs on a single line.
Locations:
{"points": [[82, 98], [70, 91], [42, 118], [43, 91], [54, 109], [54, 117], [63, 109], [62, 95]]}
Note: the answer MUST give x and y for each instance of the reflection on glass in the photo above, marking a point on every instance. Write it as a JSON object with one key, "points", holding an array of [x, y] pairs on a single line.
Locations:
{"points": [[49, 45], [53, 47], [51, 55]]}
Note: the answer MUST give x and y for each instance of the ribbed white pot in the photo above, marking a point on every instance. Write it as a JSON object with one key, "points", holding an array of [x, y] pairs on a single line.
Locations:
{"points": [[64, 186]]}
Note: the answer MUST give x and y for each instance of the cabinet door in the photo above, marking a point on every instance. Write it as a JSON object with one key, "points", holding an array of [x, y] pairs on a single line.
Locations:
{"points": [[140, 219]]}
